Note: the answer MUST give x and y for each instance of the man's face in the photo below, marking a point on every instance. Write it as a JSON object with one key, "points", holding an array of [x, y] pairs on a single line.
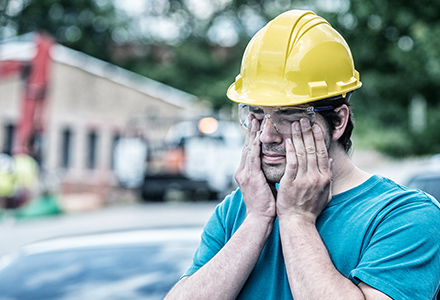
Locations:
{"points": [[273, 148]]}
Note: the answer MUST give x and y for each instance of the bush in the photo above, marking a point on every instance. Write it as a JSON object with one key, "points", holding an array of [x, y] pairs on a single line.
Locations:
{"points": [[398, 141]]}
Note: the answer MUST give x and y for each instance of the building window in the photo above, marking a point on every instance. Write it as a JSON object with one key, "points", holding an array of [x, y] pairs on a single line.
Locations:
{"points": [[92, 143], [66, 148], [115, 140], [9, 131]]}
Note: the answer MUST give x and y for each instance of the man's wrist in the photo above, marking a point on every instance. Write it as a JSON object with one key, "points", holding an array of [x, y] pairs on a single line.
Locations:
{"points": [[260, 218], [259, 221], [298, 219]]}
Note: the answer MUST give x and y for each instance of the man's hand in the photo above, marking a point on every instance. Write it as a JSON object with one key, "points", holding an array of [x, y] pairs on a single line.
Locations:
{"points": [[257, 194], [305, 188], [223, 276]]}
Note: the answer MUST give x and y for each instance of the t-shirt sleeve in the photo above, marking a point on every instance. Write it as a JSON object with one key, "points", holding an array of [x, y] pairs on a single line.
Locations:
{"points": [[216, 234], [402, 258]]}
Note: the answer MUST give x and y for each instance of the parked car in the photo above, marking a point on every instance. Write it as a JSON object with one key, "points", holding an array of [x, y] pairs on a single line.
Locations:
{"points": [[428, 182], [136, 264], [427, 177]]}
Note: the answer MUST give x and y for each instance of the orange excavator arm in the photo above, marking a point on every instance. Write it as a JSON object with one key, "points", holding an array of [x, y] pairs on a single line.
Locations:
{"points": [[31, 124]]}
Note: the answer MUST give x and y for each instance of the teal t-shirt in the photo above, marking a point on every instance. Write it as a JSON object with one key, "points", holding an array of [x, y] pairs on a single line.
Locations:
{"points": [[379, 233]]}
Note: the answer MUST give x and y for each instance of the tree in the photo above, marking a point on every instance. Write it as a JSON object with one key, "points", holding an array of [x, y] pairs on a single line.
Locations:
{"points": [[196, 46], [85, 25], [397, 51]]}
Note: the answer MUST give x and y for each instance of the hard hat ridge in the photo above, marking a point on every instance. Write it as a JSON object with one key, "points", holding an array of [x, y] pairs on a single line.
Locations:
{"points": [[305, 22]]}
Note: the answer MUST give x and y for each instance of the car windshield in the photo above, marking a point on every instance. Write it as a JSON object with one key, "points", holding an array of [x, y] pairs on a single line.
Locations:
{"points": [[136, 271]]}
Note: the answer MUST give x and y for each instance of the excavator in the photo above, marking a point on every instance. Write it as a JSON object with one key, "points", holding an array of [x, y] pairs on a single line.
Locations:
{"points": [[35, 74], [26, 151]]}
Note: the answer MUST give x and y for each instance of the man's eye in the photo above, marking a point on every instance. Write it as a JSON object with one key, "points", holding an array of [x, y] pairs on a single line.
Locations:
{"points": [[254, 110], [258, 116], [292, 117], [290, 120]]}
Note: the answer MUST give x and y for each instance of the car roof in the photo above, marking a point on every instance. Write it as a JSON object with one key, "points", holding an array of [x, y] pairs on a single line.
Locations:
{"points": [[426, 175], [114, 238]]}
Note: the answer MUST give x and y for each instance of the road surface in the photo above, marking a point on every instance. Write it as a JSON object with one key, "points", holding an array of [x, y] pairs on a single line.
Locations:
{"points": [[117, 217]]}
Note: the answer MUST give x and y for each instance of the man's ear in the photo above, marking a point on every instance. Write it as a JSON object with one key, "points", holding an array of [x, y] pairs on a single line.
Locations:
{"points": [[343, 112]]}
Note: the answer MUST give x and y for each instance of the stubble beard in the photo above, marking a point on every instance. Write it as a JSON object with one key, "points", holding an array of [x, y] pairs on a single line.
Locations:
{"points": [[273, 171]]}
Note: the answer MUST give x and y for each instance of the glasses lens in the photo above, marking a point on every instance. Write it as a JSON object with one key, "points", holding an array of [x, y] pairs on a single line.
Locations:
{"points": [[243, 115], [281, 119], [284, 118], [248, 113]]}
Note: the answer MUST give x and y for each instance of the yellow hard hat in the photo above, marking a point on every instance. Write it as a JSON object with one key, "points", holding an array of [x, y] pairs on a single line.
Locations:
{"points": [[296, 58]]}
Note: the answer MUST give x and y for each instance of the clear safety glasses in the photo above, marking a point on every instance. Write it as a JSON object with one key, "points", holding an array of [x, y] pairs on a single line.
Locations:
{"points": [[282, 118]]}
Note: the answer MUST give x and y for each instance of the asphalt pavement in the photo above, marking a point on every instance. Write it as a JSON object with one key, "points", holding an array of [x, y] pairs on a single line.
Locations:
{"points": [[14, 234]]}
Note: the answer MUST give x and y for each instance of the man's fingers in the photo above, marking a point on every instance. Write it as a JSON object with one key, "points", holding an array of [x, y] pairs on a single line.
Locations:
{"points": [[250, 136], [309, 144], [300, 151], [254, 151], [321, 149], [251, 131], [291, 160]]}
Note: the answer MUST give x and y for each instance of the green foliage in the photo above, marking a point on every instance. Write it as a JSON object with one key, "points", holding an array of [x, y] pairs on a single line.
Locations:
{"points": [[398, 141], [395, 46], [194, 67], [85, 25], [396, 49]]}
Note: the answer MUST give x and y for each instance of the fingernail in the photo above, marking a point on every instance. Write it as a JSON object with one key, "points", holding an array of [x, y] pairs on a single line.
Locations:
{"points": [[296, 126], [305, 122], [316, 128]]}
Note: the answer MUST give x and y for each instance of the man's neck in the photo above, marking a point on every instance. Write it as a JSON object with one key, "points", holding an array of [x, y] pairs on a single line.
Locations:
{"points": [[346, 175]]}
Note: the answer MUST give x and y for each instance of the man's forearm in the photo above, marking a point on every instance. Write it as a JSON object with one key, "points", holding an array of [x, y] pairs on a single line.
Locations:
{"points": [[225, 274], [310, 270]]}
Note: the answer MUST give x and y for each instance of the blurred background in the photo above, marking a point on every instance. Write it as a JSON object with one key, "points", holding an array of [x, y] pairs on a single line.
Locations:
{"points": [[119, 101], [114, 114], [122, 101]]}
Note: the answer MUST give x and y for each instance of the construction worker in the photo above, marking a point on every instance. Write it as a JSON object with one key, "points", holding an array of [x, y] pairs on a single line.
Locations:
{"points": [[7, 181], [26, 178], [306, 223], [18, 180]]}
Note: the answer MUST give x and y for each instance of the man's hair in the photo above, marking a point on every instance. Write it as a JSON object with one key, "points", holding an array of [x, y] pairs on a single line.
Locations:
{"points": [[332, 118]]}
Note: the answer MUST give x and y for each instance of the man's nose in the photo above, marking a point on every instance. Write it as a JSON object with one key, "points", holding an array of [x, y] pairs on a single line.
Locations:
{"points": [[269, 133]]}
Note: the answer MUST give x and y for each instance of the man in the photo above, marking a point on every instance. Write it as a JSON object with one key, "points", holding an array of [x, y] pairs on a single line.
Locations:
{"points": [[306, 223]]}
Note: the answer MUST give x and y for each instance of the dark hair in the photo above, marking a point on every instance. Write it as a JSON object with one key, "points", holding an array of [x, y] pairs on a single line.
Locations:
{"points": [[332, 118]]}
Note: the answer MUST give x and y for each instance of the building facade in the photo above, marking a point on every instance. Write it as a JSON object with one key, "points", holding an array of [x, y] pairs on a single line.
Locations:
{"points": [[90, 105]]}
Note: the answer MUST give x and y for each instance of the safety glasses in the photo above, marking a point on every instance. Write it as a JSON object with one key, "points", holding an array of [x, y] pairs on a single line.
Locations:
{"points": [[281, 118]]}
